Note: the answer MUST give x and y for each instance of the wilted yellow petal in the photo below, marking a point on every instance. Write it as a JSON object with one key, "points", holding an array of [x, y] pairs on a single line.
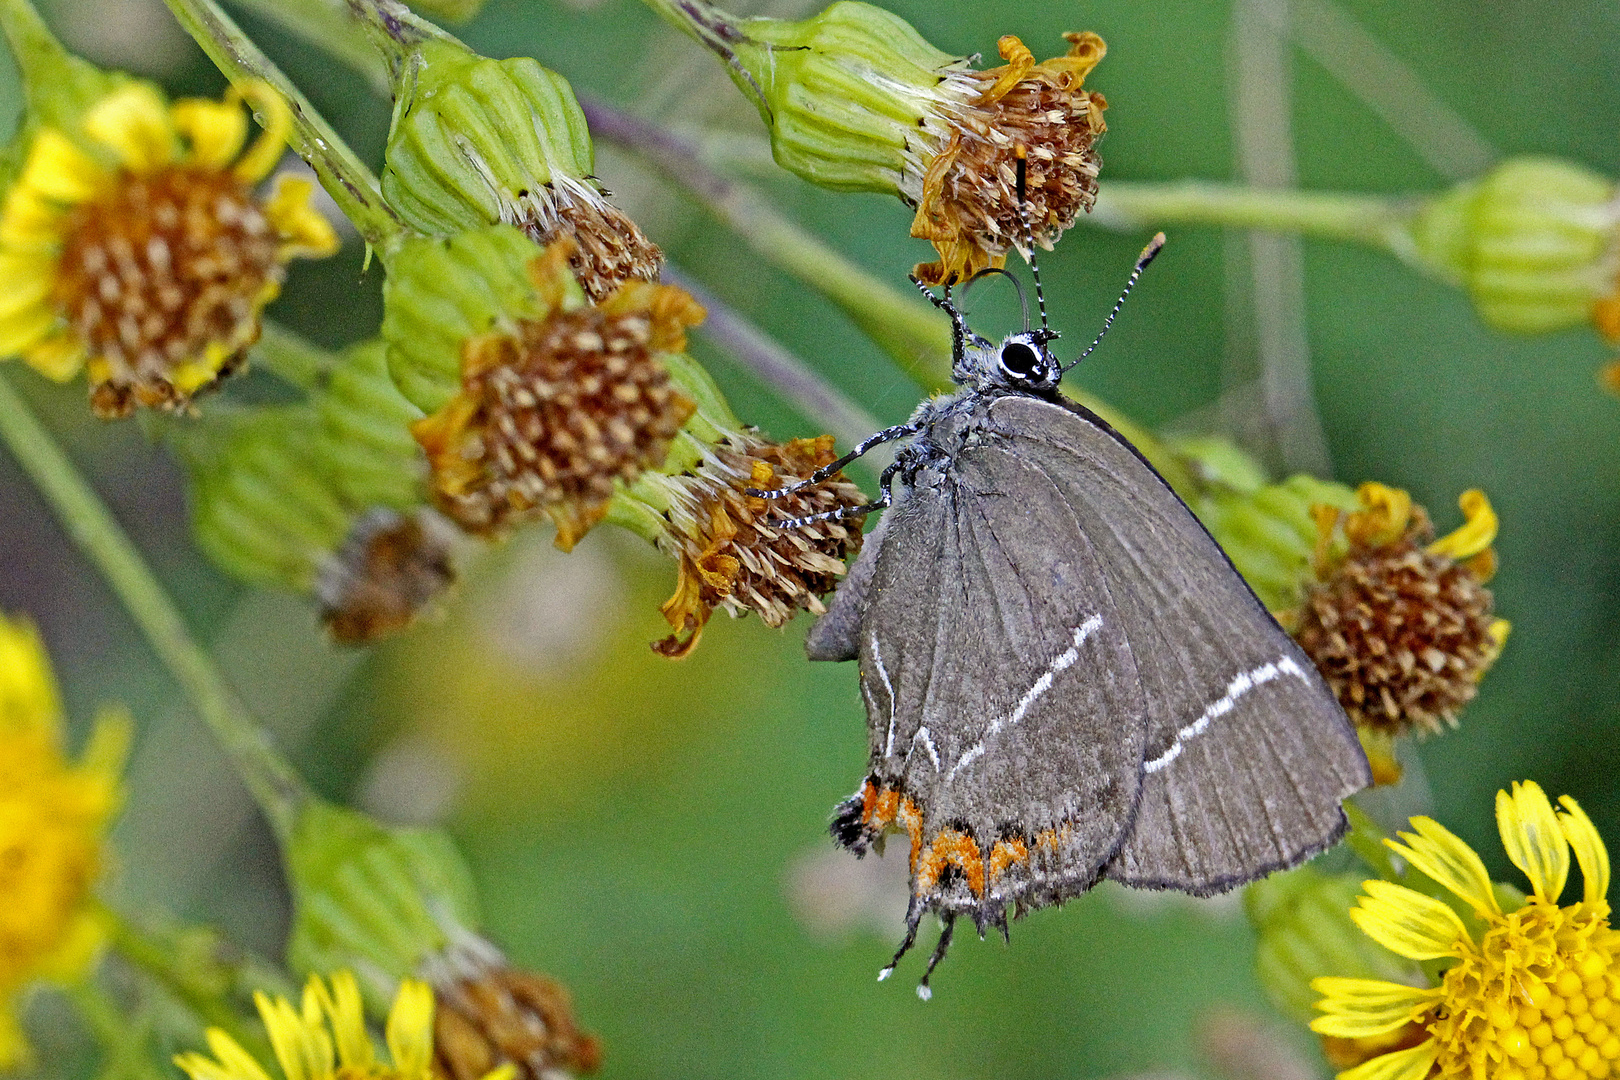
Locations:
{"points": [[134, 122], [1408, 923], [1436, 851], [305, 232], [1477, 532], [410, 1028], [1412, 1063], [266, 150], [1589, 849], [216, 130], [1385, 513], [1358, 1008], [1533, 839], [58, 170]]}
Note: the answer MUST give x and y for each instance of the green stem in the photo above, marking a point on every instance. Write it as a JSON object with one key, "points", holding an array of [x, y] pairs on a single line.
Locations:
{"points": [[905, 326], [279, 790], [1376, 221], [58, 85], [328, 26], [292, 359], [702, 22], [352, 186]]}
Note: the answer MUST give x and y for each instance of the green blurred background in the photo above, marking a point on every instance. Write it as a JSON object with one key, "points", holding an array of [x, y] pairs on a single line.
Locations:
{"points": [[653, 832]]}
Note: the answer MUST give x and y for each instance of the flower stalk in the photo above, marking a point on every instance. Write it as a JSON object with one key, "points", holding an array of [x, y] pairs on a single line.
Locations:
{"points": [[353, 186], [275, 786]]}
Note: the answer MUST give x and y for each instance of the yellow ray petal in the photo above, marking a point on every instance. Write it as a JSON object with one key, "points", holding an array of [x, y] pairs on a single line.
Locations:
{"points": [[1533, 839], [1412, 1063], [25, 280], [1477, 532], [305, 233], [31, 222], [266, 150], [28, 698], [348, 1019], [1408, 923], [410, 1029], [1589, 849], [1358, 1008], [58, 170], [13, 1046], [288, 1037], [134, 122], [238, 1063], [56, 356], [216, 130], [26, 328], [1436, 851]]}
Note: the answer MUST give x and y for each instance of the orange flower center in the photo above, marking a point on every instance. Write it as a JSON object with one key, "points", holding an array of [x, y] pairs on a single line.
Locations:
{"points": [[160, 271]]}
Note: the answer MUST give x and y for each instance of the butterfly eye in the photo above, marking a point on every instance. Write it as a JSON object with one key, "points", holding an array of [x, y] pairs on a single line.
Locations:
{"points": [[1019, 360]]}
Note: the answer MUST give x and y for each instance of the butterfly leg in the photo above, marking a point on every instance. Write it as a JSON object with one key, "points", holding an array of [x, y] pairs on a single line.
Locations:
{"points": [[923, 989], [843, 512], [899, 431], [914, 914]]}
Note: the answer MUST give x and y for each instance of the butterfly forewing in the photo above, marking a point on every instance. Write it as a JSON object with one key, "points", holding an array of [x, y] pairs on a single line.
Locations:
{"points": [[1247, 754]]}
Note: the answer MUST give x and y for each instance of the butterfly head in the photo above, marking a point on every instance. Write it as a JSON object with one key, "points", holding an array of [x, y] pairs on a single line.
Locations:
{"points": [[1021, 361]]}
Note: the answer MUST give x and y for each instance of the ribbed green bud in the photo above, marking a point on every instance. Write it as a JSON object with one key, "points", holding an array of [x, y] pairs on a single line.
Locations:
{"points": [[375, 900], [1301, 919], [262, 505], [1535, 242], [1266, 529], [477, 141], [847, 94], [441, 293], [365, 427]]}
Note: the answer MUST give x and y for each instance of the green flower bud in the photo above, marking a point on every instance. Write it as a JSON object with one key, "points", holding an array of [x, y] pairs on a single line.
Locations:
{"points": [[366, 431], [1535, 242], [479, 142], [1301, 919], [381, 902], [449, 10]]}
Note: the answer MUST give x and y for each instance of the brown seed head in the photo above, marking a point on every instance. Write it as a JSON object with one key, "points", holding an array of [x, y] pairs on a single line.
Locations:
{"points": [[555, 411], [489, 1014], [161, 270], [610, 248], [391, 566], [968, 200], [731, 553], [1401, 634]]}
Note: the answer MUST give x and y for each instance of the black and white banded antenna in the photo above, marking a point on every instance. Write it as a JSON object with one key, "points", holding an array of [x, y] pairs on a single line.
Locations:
{"points": [[1021, 185], [1155, 246]]}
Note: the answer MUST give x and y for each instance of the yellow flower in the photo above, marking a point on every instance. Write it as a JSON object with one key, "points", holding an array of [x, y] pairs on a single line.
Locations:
{"points": [[54, 815], [326, 1038], [138, 247], [1525, 993]]}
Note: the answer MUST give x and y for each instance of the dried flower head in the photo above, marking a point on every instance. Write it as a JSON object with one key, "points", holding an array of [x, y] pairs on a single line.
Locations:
{"points": [[140, 247], [553, 412], [611, 250], [967, 199], [54, 816], [1525, 991], [1401, 627], [391, 567], [732, 554], [492, 1014]]}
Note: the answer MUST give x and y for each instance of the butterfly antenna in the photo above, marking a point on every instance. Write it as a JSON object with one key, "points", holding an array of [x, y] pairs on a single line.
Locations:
{"points": [[1155, 246], [1021, 179], [959, 330], [1018, 287]]}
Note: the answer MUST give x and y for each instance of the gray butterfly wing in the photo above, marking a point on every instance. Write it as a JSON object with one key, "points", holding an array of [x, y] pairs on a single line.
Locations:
{"points": [[1247, 754], [1002, 697], [837, 634]]}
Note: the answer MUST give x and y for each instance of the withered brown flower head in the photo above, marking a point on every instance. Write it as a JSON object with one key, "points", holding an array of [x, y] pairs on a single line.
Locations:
{"points": [[490, 1014], [390, 568], [1402, 628], [611, 249], [553, 411], [731, 554], [967, 199]]}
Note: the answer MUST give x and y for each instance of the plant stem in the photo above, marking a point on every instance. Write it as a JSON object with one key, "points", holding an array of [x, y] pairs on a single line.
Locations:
{"points": [[1376, 221], [277, 788], [354, 187], [327, 25], [58, 85], [906, 327]]}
